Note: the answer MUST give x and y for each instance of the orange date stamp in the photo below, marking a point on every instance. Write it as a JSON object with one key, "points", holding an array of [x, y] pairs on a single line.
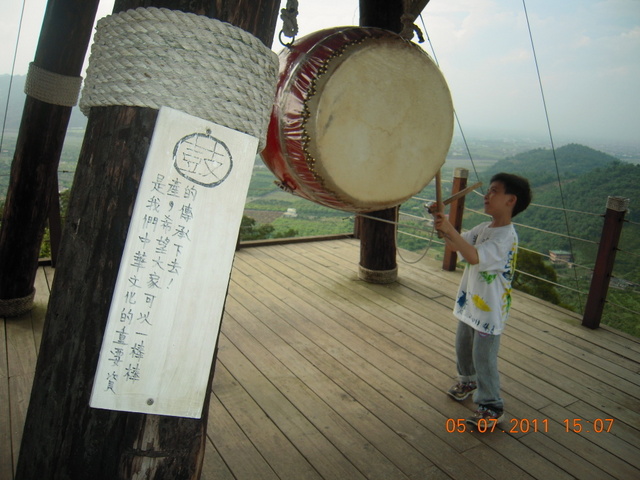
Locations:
{"points": [[525, 425]]}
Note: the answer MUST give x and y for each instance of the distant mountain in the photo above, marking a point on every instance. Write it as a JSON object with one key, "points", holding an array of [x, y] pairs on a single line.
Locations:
{"points": [[587, 177], [539, 165], [15, 87]]}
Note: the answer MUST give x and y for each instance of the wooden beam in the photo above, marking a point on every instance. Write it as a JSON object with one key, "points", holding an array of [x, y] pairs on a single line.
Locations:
{"points": [[63, 43], [417, 6], [63, 436]]}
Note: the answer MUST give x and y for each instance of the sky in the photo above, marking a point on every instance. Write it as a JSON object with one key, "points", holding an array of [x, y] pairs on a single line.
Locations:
{"points": [[587, 51]]}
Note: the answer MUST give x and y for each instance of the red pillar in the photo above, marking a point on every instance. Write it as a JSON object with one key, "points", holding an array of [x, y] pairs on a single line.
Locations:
{"points": [[456, 211], [613, 220]]}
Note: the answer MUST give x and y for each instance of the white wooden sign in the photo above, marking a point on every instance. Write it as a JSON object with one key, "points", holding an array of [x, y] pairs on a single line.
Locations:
{"points": [[169, 296]]}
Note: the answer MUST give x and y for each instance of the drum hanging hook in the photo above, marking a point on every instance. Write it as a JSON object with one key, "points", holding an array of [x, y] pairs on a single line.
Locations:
{"points": [[289, 16]]}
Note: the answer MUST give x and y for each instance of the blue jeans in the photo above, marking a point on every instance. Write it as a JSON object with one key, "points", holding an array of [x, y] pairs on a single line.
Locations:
{"points": [[477, 361]]}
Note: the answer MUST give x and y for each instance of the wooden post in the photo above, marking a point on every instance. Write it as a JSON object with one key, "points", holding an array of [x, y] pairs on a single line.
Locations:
{"points": [[378, 239], [55, 224], [63, 437], [64, 38], [613, 221], [456, 212], [378, 246]]}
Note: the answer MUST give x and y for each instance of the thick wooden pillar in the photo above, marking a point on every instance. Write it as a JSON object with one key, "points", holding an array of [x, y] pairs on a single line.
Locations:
{"points": [[377, 238], [613, 221], [64, 38], [456, 210], [63, 436]]}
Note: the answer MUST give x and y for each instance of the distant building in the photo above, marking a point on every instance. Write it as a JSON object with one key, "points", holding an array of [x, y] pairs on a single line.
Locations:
{"points": [[561, 257], [290, 213]]}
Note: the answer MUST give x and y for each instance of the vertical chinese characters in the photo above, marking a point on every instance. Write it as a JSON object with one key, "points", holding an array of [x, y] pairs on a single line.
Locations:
{"points": [[160, 241]]}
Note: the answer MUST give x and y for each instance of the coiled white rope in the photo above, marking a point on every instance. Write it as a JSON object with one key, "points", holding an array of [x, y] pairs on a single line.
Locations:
{"points": [[150, 57]]}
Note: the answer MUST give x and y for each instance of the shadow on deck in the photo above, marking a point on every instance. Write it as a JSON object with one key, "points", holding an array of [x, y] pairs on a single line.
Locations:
{"points": [[321, 375]]}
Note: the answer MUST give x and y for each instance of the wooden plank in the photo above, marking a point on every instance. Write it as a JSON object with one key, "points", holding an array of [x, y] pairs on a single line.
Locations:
{"points": [[615, 402], [239, 452], [622, 441], [583, 444], [584, 358], [21, 350], [310, 440], [213, 465], [272, 445], [492, 462], [564, 457], [6, 459], [21, 359], [42, 285], [363, 452], [19, 393], [4, 367]]}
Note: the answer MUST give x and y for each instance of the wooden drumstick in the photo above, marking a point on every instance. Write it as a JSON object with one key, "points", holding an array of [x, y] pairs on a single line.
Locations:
{"points": [[462, 193], [456, 196], [439, 204]]}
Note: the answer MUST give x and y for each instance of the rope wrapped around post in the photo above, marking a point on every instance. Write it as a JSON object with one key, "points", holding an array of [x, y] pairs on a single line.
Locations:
{"points": [[150, 57], [52, 87], [15, 307]]}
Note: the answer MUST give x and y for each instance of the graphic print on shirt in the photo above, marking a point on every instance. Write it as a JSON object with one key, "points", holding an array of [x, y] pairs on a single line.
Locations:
{"points": [[480, 304], [510, 269], [488, 277], [462, 299]]}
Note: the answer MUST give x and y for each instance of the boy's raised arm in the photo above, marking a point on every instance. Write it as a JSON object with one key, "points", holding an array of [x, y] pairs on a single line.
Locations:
{"points": [[455, 240]]}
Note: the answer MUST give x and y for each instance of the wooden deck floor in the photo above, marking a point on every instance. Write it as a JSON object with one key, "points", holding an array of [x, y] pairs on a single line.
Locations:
{"points": [[321, 375]]}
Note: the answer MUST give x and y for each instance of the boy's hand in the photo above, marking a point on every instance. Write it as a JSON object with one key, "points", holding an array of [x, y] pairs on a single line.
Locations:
{"points": [[452, 237], [442, 225]]}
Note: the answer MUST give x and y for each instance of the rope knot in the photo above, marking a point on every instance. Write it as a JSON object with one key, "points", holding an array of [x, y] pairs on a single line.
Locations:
{"points": [[409, 27], [289, 16]]}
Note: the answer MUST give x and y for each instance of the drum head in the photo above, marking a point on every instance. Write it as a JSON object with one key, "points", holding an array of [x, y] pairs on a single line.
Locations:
{"points": [[363, 120]]}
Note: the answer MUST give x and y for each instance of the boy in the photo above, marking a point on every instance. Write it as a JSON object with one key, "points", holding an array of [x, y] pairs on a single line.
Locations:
{"points": [[484, 295]]}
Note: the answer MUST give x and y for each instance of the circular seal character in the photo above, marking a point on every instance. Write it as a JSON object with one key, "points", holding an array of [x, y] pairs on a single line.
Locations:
{"points": [[202, 159]]}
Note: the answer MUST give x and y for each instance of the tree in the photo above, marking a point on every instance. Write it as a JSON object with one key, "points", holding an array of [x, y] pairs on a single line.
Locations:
{"points": [[533, 264]]}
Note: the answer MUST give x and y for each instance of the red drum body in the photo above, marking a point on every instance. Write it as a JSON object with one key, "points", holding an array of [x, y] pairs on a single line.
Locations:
{"points": [[362, 119]]}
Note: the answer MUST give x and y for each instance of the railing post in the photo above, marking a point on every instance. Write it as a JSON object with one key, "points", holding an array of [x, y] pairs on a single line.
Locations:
{"points": [[613, 220], [456, 210]]}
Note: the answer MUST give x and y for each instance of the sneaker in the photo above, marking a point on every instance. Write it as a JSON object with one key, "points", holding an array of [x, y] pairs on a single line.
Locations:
{"points": [[462, 390], [490, 415]]}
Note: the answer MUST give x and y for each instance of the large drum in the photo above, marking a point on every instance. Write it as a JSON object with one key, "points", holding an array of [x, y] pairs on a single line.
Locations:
{"points": [[362, 119]]}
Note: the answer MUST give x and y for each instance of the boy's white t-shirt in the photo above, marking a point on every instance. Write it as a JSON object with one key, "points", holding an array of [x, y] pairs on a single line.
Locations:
{"points": [[484, 295]]}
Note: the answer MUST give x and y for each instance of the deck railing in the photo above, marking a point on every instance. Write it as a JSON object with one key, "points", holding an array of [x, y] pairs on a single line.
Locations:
{"points": [[601, 273]]}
